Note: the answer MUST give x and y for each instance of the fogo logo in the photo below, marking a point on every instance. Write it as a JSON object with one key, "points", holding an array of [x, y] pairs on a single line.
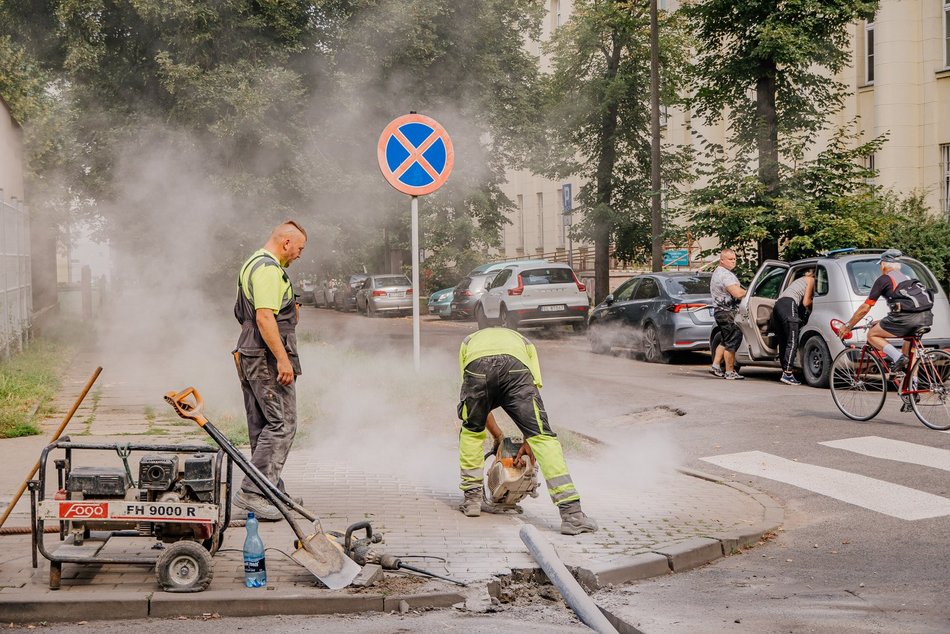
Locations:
{"points": [[83, 510]]}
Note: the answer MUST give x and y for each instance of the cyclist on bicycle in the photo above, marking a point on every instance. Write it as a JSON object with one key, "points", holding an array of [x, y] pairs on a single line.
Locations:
{"points": [[910, 303]]}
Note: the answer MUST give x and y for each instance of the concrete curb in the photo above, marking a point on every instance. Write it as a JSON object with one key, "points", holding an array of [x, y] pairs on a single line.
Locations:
{"points": [[688, 554], [90, 606]]}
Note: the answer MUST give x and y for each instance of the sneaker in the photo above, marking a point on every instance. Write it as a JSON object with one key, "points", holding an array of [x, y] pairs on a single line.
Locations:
{"points": [[716, 371], [789, 379], [264, 510], [733, 376], [471, 506], [574, 521], [906, 407], [900, 364]]}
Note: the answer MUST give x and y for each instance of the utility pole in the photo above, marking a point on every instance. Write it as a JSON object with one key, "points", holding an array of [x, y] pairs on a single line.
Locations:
{"points": [[656, 217]]}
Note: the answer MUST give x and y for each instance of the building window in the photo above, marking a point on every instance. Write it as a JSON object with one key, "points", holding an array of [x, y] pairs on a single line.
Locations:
{"points": [[520, 222], [946, 34], [869, 166], [869, 53], [540, 222], [945, 185], [555, 14]]}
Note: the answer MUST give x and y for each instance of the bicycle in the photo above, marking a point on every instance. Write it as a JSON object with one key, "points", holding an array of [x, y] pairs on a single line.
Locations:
{"points": [[860, 378]]}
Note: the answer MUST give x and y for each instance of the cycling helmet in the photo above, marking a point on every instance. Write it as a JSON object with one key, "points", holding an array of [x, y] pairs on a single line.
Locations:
{"points": [[891, 255]]}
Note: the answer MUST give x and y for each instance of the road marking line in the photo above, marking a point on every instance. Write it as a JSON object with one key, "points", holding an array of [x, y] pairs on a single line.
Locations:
{"points": [[876, 495], [898, 450]]}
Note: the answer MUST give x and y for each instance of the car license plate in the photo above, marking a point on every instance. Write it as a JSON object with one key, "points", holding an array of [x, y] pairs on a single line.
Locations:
{"points": [[398, 294], [553, 308]]}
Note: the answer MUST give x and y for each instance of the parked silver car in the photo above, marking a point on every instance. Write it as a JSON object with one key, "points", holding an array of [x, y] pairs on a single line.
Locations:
{"points": [[843, 280], [525, 294], [654, 314], [384, 294]]}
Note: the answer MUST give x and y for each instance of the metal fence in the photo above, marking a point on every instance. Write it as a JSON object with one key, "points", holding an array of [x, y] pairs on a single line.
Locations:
{"points": [[16, 288]]}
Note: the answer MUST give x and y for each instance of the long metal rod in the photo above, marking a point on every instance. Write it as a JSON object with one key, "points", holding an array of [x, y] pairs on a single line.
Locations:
{"points": [[585, 608], [656, 214], [59, 432], [416, 355]]}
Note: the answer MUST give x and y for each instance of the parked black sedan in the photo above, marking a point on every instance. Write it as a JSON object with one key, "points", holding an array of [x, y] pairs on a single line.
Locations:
{"points": [[654, 314], [345, 296]]}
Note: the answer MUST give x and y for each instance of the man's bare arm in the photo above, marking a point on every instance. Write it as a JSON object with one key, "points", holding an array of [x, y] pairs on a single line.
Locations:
{"points": [[736, 291]]}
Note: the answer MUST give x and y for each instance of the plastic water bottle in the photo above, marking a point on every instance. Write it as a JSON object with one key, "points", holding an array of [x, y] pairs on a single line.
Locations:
{"points": [[255, 570]]}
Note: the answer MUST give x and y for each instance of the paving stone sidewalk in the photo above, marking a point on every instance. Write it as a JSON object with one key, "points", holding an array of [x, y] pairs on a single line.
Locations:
{"points": [[676, 522]]}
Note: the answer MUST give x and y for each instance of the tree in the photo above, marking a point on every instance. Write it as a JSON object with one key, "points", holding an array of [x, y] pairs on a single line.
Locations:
{"points": [[599, 115], [770, 64]]}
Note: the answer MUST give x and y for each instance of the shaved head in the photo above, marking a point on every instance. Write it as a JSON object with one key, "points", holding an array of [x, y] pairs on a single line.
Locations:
{"points": [[287, 241], [288, 229]]}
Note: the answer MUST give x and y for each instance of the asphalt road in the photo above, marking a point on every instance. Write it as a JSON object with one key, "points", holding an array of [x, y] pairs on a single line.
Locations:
{"points": [[837, 565]]}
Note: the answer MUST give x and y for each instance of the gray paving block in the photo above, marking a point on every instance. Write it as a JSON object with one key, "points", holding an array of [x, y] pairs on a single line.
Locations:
{"points": [[259, 601], [422, 601], [73, 606], [623, 570], [691, 553]]}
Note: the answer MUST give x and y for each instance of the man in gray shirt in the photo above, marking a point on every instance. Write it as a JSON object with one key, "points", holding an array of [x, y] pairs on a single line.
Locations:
{"points": [[726, 292]]}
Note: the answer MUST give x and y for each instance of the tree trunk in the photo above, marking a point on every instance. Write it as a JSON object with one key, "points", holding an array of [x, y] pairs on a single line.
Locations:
{"points": [[605, 185], [767, 145]]}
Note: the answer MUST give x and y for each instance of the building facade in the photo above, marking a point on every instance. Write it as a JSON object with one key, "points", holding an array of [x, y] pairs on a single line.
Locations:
{"points": [[898, 84]]}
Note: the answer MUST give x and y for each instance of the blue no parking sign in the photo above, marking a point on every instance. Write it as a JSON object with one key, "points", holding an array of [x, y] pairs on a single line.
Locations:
{"points": [[415, 154]]}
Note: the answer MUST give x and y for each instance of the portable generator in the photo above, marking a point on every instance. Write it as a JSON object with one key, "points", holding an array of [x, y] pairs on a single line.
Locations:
{"points": [[180, 500]]}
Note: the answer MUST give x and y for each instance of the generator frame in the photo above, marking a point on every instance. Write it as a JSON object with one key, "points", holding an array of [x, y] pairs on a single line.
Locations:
{"points": [[188, 552]]}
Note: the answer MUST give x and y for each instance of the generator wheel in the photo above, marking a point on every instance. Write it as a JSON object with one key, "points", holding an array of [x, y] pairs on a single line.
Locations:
{"points": [[184, 567]]}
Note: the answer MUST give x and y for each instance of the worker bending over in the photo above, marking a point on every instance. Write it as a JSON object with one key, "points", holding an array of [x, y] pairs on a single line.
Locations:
{"points": [[500, 369]]}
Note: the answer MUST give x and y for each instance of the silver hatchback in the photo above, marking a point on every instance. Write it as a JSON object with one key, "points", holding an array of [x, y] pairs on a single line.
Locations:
{"points": [[385, 294], [534, 295], [843, 280]]}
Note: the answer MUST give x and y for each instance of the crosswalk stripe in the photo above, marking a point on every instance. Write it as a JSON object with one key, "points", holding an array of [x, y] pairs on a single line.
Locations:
{"points": [[876, 495], [898, 450]]}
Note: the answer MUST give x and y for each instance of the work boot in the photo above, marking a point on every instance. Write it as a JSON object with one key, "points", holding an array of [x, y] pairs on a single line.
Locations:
{"points": [[574, 521], [472, 504], [263, 510]]}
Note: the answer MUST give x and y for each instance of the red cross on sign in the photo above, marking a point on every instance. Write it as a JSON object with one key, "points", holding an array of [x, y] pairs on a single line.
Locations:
{"points": [[415, 154]]}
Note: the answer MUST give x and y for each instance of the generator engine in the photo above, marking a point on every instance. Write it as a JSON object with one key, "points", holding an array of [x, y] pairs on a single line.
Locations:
{"points": [[163, 477]]}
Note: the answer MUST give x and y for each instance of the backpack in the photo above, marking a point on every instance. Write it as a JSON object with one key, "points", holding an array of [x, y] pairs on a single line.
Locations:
{"points": [[911, 296]]}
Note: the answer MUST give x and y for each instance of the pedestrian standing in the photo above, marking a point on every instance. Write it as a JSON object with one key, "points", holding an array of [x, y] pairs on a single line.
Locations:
{"points": [[500, 368], [787, 317], [267, 360], [726, 292]]}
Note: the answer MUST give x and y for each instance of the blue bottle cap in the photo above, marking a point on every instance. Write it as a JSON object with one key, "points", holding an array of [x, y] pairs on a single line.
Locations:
{"points": [[250, 515]]}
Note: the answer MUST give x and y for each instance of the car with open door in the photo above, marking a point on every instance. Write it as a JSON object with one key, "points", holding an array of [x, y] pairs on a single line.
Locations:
{"points": [[843, 280]]}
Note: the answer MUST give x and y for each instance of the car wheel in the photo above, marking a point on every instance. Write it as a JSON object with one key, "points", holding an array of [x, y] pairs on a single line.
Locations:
{"points": [[598, 343], [816, 362], [480, 317], [579, 326], [652, 351], [507, 319]]}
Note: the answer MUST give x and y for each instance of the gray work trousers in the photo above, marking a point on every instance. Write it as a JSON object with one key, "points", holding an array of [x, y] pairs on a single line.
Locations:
{"points": [[271, 417]]}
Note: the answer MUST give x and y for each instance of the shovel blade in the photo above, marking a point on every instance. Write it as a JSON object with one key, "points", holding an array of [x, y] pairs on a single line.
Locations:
{"points": [[326, 561]]}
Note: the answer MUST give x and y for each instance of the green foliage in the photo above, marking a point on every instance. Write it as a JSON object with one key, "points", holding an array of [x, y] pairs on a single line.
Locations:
{"points": [[597, 97], [800, 44], [28, 379]]}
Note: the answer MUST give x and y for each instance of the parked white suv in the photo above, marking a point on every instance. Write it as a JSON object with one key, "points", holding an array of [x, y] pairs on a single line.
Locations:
{"points": [[532, 294], [843, 280]]}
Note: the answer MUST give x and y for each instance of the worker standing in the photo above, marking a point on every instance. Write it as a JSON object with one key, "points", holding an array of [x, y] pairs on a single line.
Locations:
{"points": [[500, 368], [267, 361]]}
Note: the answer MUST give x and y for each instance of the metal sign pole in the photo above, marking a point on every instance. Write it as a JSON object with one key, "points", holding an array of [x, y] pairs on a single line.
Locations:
{"points": [[416, 356]]}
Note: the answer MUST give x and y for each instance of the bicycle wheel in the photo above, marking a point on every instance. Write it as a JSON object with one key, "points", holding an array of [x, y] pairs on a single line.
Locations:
{"points": [[858, 383], [930, 379]]}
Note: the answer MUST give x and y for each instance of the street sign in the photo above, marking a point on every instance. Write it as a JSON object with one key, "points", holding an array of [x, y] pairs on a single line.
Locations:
{"points": [[567, 198], [676, 257], [415, 154]]}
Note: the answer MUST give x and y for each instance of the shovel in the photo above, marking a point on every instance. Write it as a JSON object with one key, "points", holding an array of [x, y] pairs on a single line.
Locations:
{"points": [[317, 552]]}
